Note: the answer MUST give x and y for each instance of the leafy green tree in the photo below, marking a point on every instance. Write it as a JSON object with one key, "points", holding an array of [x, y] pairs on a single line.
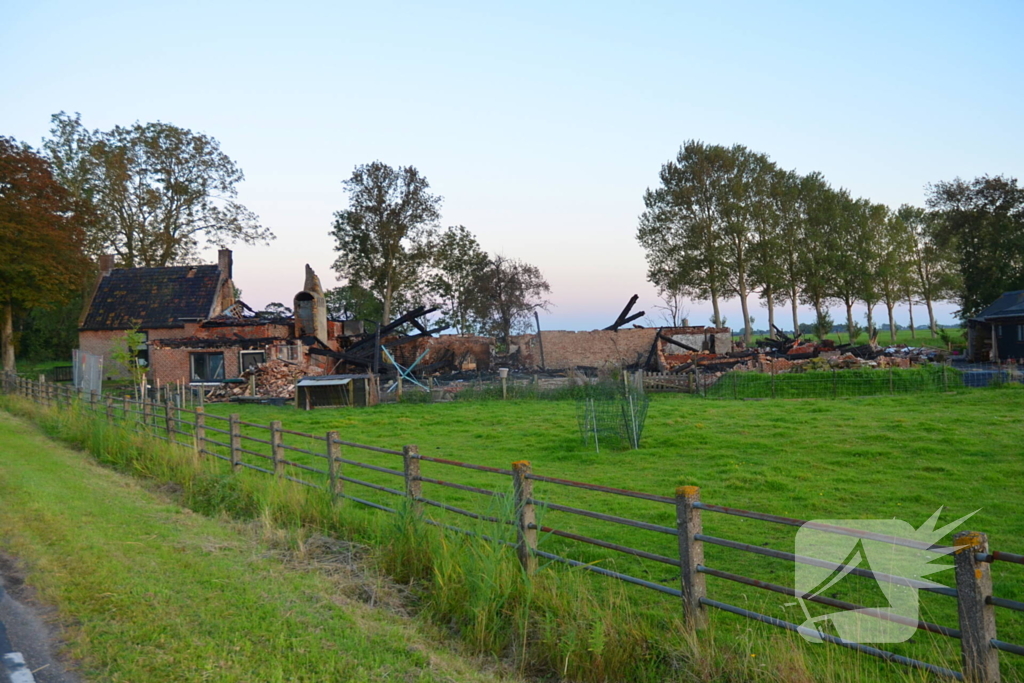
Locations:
{"points": [[352, 302], [126, 354], [935, 275], [515, 289], [45, 334], [157, 192], [41, 237], [457, 277], [870, 294], [982, 222], [382, 237], [894, 274], [783, 253], [856, 254], [818, 251], [276, 310], [749, 225], [683, 226], [773, 209]]}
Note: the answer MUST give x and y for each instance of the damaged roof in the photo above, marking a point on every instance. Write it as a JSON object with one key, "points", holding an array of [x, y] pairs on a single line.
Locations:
{"points": [[153, 297]]}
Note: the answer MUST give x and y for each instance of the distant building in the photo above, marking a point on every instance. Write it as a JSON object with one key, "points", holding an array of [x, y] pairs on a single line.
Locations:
{"points": [[997, 333]]}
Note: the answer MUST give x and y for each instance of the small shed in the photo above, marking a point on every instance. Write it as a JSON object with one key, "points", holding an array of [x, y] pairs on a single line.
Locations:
{"points": [[997, 332], [335, 391]]}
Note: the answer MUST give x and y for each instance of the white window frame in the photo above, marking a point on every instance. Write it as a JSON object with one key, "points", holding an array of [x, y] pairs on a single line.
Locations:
{"points": [[242, 355]]}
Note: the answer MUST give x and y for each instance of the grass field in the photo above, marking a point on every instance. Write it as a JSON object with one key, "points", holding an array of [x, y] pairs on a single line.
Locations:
{"points": [[900, 457], [149, 592], [855, 458]]}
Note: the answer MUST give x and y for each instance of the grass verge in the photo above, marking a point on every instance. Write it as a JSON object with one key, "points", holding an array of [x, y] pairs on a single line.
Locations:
{"points": [[149, 591]]}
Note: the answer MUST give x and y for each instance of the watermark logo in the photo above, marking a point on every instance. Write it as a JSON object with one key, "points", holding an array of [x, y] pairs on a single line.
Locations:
{"points": [[898, 570]]}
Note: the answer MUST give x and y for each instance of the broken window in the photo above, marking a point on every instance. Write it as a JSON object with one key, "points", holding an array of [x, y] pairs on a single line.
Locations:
{"points": [[207, 367], [250, 359]]}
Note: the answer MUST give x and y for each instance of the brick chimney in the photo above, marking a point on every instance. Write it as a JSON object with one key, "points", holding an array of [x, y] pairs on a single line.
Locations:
{"points": [[106, 264], [224, 262]]}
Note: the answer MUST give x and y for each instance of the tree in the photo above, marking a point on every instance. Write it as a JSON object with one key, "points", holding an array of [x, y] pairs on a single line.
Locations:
{"points": [[854, 263], [276, 310], [352, 302], [41, 237], [515, 289], [673, 313], [773, 211], [381, 238], [817, 256], [683, 226], [457, 279], [893, 275], [748, 223], [156, 191], [934, 271], [126, 354], [982, 222], [787, 189]]}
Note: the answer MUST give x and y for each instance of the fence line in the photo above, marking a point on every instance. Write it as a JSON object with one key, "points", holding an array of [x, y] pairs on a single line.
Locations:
{"points": [[973, 558], [824, 381]]}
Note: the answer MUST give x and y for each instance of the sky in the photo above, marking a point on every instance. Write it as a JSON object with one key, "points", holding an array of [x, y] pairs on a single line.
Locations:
{"points": [[541, 124]]}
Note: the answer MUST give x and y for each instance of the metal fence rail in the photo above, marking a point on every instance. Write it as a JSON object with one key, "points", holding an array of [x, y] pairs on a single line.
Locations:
{"points": [[973, 558]]}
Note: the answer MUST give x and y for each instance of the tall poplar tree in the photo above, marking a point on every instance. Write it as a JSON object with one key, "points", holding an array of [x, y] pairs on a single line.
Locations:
{"points": [[683, 226]]}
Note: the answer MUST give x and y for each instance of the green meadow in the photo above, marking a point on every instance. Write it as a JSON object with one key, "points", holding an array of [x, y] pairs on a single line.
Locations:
{"points": [[885, 457]]}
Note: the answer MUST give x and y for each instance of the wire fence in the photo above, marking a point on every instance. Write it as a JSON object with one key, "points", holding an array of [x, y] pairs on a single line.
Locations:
{"points": [[833, 382], [672, 552]]}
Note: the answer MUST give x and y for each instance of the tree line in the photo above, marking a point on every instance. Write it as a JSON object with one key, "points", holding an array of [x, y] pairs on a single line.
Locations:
{"points": [[727, 222]]}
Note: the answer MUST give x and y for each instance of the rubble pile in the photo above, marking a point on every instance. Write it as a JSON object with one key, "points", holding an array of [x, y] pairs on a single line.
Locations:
{"points": [[792, 354], [275, 378]]}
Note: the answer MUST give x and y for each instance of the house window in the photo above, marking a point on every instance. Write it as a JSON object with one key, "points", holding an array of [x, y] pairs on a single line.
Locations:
{"points": [[249, 359], [207, 367], [142, 351], [291, 352]]}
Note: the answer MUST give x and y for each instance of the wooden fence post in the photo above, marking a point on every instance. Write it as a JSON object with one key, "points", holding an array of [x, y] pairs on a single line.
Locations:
{"points": [[147, 411], [168, 419], [200, 430], [110, 408], [92, 400], [42, 390], [333, 466], [691, 554], [413, 485], [276, 451], [977, 619], [236, 442], [526, 516]]}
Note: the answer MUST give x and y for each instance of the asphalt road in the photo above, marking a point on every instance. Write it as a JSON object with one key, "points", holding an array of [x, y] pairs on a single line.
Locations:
{"points": [[22, 630]]}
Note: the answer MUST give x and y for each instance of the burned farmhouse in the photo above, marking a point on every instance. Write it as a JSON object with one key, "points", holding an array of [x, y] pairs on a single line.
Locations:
{"points": [[196, 333]]}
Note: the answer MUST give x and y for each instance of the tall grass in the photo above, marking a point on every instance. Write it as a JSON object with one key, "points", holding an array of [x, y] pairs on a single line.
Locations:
{"points": [[557, 622]]}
